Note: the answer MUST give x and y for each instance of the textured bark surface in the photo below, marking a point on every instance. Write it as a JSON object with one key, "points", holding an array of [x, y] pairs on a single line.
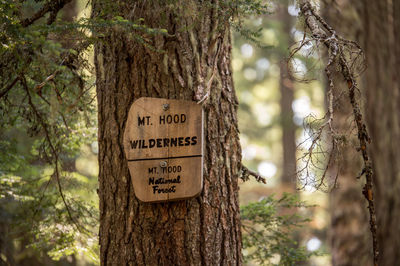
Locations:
{"points": [[199, 231]]}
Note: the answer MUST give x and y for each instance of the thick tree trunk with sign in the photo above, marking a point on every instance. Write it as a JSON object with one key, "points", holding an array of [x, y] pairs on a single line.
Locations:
{"points": [[189, 63]]}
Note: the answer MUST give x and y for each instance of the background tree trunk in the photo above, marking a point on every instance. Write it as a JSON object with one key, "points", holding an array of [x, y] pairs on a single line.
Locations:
{"points": [[349, 233], [381, 23], [378, 33], [287, 88], [199, 231]]}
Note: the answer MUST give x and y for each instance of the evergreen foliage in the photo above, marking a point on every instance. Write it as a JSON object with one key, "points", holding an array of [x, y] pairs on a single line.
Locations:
{"points": [[268, 233], [47, 114]]}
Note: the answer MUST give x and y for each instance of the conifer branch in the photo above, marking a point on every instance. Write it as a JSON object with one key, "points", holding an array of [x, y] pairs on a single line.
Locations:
{"points": [[54, 159], [51, 6]]}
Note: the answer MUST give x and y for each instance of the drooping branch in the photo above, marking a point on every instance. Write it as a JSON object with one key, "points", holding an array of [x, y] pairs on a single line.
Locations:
{"points": [[341, 54], [55, 158]]}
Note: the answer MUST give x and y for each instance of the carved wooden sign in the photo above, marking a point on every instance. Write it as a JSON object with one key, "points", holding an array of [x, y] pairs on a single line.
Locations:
{"points": [[163, 143]]}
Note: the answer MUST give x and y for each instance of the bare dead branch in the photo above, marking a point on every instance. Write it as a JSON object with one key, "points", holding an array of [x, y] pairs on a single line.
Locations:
{"points": [[347, 56], [246, 173]]}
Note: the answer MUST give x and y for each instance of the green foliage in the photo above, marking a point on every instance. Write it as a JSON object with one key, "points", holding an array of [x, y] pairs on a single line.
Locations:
{"points": [[47, 114], [31, 210], [248, 9], [268, 234]]}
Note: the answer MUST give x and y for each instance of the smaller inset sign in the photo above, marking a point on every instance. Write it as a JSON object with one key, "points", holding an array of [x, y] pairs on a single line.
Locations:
{"points": [[163, 143]]}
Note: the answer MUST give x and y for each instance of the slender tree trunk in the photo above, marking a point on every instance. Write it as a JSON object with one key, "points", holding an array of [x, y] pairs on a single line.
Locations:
{"points": [[201, 231], [286, 86]]}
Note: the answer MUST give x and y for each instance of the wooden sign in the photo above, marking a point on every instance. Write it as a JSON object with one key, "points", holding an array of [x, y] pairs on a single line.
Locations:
{"points": [[163, 143]]}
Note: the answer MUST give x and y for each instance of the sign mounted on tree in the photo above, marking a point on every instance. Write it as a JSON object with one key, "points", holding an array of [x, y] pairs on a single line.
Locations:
{"points": [[163, 143]]}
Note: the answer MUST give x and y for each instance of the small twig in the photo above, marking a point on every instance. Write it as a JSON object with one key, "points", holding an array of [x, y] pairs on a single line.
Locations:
{"points": [[246, 173], [39, 86], [83, 92]]}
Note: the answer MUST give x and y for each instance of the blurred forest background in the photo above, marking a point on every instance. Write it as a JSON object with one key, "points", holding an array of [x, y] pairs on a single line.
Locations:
{"points": [[276, 97]]}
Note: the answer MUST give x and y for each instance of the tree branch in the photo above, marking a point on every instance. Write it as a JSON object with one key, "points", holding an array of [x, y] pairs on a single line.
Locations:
{"points": [[246, 173], [337, 47], [9, 87], [56, 162], [51, 6]]}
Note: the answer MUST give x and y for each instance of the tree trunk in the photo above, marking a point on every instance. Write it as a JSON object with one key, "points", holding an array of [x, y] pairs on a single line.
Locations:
{"points": [[200, 231], [286, 86], [381, 26]]}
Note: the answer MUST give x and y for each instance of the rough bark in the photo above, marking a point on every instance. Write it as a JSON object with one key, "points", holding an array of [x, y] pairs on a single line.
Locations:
{"points": [[196, 58]]}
